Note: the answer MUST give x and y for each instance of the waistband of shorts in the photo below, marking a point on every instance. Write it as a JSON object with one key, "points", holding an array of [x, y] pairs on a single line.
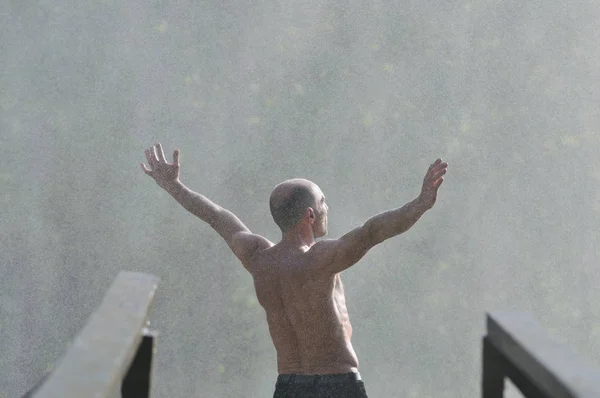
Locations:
{"points": [[318, 379]]}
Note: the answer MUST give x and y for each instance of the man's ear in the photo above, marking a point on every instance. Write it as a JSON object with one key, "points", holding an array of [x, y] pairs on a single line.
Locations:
{"points": [[311, 214]]}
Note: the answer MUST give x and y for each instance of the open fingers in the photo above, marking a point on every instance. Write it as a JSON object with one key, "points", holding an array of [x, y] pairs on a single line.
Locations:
{"points": [[438, 173], [159, 153], [434, 164], [146, 169], [438, 164], [176, 156], [151, 157], [435, 167]]}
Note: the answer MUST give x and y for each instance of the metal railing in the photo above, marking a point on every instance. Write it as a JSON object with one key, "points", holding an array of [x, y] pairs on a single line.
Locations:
{"points": [[113, 353], [518, 348], [114, 350]]}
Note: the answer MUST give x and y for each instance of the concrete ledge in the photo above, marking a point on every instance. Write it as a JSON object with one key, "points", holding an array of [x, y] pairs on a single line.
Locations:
{"points": [[551, 366], [97, 360]]}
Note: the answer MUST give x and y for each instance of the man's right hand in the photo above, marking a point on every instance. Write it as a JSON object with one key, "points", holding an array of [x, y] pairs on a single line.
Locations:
{"points": [[432, 181], [164, 173]]}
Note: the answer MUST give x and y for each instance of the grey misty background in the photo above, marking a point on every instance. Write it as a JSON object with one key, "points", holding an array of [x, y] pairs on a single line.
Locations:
{"points": [[359, 97]]}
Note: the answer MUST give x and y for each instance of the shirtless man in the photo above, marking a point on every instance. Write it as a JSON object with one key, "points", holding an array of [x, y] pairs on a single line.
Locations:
{"points": [[297, 280]]}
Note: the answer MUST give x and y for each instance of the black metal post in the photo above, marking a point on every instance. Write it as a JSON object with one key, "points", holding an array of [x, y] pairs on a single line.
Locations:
{"points": [[137, 381], [496, 367], [493, 372]]}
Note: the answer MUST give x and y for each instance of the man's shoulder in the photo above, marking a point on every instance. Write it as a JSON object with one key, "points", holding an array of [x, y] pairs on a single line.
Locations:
{"points": [[323, 252], [324, 245], [257, 241], [247, 245]]}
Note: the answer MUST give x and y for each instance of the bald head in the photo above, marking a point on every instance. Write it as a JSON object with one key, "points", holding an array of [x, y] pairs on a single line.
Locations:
{"points": [[290, 199]]}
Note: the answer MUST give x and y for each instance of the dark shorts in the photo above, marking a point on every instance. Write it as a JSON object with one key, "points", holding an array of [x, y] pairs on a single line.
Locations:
{"points": [[346, 385]]}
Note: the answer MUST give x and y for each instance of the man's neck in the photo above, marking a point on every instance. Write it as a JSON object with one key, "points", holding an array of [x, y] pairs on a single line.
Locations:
{"points": [[299, 237]]}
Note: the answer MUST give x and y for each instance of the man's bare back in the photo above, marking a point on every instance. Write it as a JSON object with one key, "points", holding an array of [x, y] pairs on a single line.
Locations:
{"points": [[306, 312], [297, 280]]}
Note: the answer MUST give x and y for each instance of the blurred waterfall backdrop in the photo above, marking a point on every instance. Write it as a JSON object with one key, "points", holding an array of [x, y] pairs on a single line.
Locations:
{"points": [[359, 97]]}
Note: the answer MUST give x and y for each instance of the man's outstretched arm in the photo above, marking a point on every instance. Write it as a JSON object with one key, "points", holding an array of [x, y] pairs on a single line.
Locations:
{"points": [[220, 219], [225, 223], [351, 247], [394, 222]]}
